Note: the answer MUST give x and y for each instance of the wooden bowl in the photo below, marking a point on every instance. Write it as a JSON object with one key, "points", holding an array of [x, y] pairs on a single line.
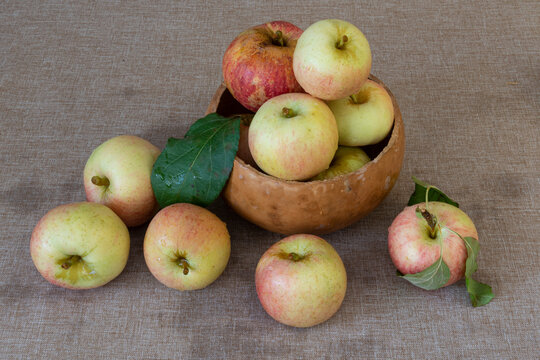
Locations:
{"points": [[314, 207]]}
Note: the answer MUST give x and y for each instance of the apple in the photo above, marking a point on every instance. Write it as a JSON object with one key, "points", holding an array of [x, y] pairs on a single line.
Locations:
{"points": [[293, 136], [186, 247], [414, 247], [346, 160], [301, 280], [364, 118], [80, 246], [117, 174], [332, 59], [257, 65]]}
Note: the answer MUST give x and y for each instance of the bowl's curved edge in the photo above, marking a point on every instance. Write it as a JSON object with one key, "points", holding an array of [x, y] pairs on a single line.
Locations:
{"points": [[278, 217]]}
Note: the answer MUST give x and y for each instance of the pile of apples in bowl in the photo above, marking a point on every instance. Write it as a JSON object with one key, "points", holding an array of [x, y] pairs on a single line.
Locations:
{"points": [[300, 139], [290, 176]]}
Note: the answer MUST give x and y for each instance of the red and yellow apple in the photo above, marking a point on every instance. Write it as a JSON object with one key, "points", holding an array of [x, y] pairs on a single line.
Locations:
{"points": [[186, 247], [293, 136], [301, 280], [257, 65], [117, 174], [365, 117], [346, 160], [80, 245], [332, 59], [413, 248]]}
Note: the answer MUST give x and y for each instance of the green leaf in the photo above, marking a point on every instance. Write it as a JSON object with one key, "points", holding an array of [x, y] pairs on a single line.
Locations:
{"points": [[472, 253], [479, 293], [195, 169], [419, 194], [431, 278]]}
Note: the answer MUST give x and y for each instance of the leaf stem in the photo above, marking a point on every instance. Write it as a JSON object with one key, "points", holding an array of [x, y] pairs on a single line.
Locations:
{"points": [[427, 197], [461, 237]]}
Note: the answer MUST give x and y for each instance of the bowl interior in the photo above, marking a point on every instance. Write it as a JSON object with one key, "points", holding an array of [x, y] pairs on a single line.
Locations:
{"points": [[228, 106]]}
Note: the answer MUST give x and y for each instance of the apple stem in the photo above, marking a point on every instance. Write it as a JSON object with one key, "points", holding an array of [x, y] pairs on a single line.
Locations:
{"points": [[183, 263], [353, 98], [431, 220], [294, 256], [342, 41], [288, 112], [69, 261], [278, 40], [100, 181]]}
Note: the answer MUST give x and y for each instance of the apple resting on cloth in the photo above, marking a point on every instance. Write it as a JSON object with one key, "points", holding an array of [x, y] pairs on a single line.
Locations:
{"points": [[117, 174], [257, 65], [332, 59], [186, 247], [347, 160], [293, 136], [301, 280], [364, 118], [414, 247], [80, 245]]}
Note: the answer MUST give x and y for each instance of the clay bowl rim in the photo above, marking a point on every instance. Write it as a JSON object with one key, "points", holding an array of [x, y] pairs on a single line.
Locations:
{"points": [[396, 128]]}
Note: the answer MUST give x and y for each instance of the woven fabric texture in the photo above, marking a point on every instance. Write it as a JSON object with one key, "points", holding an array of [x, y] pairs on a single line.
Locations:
{"points": [[466, 76]]}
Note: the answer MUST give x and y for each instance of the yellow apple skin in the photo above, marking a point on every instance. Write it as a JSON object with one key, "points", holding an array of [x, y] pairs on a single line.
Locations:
{"points": [[188, 232], [301, 280], [346, 160], [126, 161], [80, 246], [326, 69], [297, 147], [366, 117]]}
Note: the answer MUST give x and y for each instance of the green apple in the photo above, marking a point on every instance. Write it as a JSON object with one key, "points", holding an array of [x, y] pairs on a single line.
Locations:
{"points": [[80, 245], [301, 280], [332, 59], [346, 160], [117, 174], [186, 247], [293, 136], [364, 118]]}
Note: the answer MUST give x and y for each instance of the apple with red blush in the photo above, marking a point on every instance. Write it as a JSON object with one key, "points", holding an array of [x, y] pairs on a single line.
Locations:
{"points": [[293, 136], [434, 244], [186, 247], [258, 64], [301, 280], [117, 174]]}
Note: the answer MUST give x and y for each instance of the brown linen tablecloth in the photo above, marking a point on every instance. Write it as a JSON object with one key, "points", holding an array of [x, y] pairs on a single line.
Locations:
{"points": [[467, 78]]}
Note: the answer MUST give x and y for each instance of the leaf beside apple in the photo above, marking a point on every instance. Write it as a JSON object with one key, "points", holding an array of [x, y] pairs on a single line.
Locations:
{"points": [[419, 194], [438, 274], [196, 168]]}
